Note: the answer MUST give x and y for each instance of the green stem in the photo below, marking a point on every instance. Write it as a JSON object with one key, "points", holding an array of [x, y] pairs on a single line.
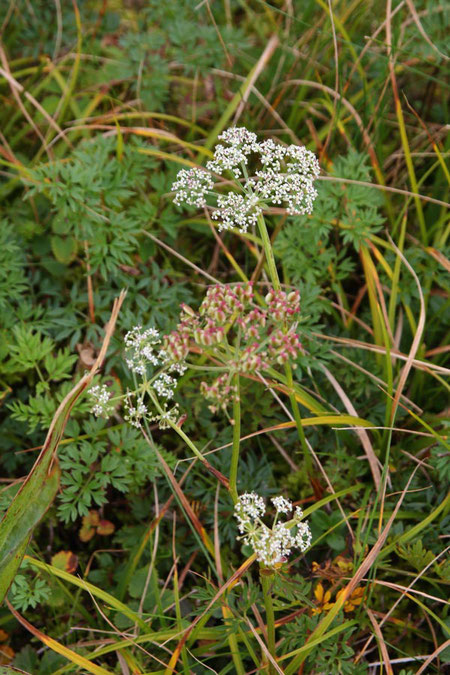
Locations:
{"points": [[184, 656], [266, 583], [298, 420], [233, 642], [268, 252], [236, 438]]}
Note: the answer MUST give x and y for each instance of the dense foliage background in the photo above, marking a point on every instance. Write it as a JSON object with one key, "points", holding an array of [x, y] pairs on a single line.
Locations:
{"points": [[101, 104]]}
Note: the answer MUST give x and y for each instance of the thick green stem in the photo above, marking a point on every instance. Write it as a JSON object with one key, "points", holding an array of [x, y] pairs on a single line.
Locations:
{"points": [[236, 438], [268, 252], [298, 420], [266, 583]]}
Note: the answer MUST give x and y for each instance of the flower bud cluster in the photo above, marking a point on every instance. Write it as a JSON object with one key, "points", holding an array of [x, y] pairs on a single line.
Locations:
{"points": [[286, 179], [271, 545], [222, 302], [220, 392], [227, 318], [282, 305]]}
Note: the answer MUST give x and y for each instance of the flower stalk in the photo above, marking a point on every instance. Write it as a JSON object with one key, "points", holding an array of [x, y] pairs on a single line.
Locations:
{"points": [[266, 576], [274, 278], [236, 438]]}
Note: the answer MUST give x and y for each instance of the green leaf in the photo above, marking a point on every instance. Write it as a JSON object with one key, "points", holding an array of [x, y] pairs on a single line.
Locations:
{"points": [[35, 496], [64, 248]]}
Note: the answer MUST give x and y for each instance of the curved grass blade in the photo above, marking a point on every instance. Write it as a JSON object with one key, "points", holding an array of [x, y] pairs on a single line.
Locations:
{"points": [[58, 647]]}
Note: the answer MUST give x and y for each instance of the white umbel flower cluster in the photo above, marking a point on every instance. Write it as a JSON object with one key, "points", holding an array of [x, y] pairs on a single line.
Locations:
{"points": [[286, 179], [144, 353], [165, 385], [100, 401], [271, 545], [134, 413], [191, 187], [140, 349], [234, 210]]}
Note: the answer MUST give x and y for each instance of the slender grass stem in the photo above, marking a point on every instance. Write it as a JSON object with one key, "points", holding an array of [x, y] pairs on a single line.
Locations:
{"points": [[266, 583], [233, 642], [236, 438], [184, 656]]}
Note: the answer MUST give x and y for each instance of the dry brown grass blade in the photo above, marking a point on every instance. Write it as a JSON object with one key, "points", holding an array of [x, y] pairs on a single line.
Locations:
{"points": [[231, 581], [365, 566], [262, 62], [381, 642], [394, 605], [57, 647], [362, 433], [183, 499], [405, 590], [417, 337], [217, 557], [352, 110], [378, 349], [439, 257], [181, 257], [270, 109], [369, 42], [17, 89], [432, 656], [422, 31], [386, 188], [376, 379], [264, 649], [323, 150]]}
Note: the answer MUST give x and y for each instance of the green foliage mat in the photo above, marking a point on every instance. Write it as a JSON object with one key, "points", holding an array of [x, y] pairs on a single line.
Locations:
{"points": [[129, 544]]}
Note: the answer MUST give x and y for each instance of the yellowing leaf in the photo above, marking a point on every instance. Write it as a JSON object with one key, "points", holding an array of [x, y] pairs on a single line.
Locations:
{"points": [[65, 560], [105, 527]]}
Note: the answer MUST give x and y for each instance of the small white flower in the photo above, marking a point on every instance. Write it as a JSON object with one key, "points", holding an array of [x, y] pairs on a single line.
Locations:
{"points": [[303, 537], [134, 414], [141, 349], [242, 137], [165, 385], [271, 545], [191, 187], [168, 415], [100, 399], [281, 504], [298, 513], [234, 210]]}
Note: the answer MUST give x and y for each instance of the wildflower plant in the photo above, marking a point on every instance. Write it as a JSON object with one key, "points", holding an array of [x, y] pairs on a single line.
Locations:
{"points": [[238, 334], [218, 555], [284, 177], [272, 545], [151, 368]]}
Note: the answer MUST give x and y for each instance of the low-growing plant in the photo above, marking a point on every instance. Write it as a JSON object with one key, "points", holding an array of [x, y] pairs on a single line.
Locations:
{"points": [[257, 479]]}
